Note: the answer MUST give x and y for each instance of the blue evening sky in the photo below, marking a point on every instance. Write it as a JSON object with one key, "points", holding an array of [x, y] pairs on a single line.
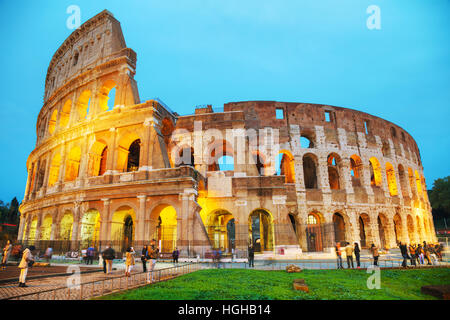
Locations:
{"points": [[212, 52]]}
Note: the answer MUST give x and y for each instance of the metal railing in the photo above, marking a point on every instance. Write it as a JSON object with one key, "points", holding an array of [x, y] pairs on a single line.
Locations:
{"points": [[109, 285]]}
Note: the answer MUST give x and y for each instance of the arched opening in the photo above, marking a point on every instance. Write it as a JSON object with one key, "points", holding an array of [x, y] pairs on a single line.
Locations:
{"points": [[306, 142], [64, 117], [355, 170], [261, 230], [333, 161], [66, 226], [310, 171], [123, 227], [403, 180], [222, 230], [339, 228], [386, 149], [73, 164], [410, 223], [134, 153], [391, 180], [97, 158], [90, 229], [106, 95], [375, 172], [364, 223], [53, 175], [382, 230], [32, 232], [293, 222], [418, 183], [52, 122], [398, 228], [46, 227], [166, 227], [220, 151], [41, 174], [393, 132], [314, 236], [285, 166], [226, 163], [83, 104]]}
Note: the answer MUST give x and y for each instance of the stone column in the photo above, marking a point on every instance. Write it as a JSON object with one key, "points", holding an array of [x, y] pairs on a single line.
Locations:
{"points": [[185, 227], [105, 228], [112, 156], [76, 225], [20, 234], [140, 221]]}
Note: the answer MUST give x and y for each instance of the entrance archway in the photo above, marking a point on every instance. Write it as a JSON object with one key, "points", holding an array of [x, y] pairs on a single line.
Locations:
{"points": [[221, 230], [364, 222], [260, 225], [90, 228], [46, 227], [123, 227], [314, 235], [166, 227], [339, 227]]}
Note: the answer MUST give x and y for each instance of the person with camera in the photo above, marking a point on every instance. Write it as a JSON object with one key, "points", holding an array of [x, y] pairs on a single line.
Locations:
{"points": [[26, 262], [153, 252]]}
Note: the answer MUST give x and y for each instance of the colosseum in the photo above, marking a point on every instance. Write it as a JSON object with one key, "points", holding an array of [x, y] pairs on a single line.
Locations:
{"points": [[288, 178]]}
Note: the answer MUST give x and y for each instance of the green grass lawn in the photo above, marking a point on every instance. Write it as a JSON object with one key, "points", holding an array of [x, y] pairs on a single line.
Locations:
{"points": [[242, 284]]}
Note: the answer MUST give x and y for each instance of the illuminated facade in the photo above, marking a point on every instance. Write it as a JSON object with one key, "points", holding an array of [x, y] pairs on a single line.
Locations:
{"points": [[106, 166]]}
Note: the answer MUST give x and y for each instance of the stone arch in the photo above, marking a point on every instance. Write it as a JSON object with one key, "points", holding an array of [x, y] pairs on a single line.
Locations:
{"points": [[221, 229], [73, 163], [66, 226], [391, 180], [55, 166], [334, 174], [52, 121], [123, 227], [307, 140], [383, 232], [165, 221], [365, 233], [32, 229], [375, 172], [310, 162], [84, 104], [398, 228], [261, 234], [216, 150], [125, 161], [410, 225], [97, 158], [285, 166], [46, 227], [105, 95], [314, 232], [356, 168], [90, 228], [64, 115], [340, 227]]}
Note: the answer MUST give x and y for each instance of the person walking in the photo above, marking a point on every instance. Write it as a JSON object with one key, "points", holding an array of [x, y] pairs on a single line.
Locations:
{"points": [[6, 252], [412, 255], [375, 254], [421, 253], [144, 255], [90, 255], [251, 257], [349, 254], [339, 255], [426, 252], [26, 262], [175, 255], [404, 253], [129, 261], [357, 255], [153, 252], [108, 255]]}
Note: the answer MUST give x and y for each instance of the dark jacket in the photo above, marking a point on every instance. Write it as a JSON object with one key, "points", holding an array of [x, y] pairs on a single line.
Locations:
{"points": [[175, 253], [109, 254], [357, 250], [403, 250], [251, 252], [153, 252]]}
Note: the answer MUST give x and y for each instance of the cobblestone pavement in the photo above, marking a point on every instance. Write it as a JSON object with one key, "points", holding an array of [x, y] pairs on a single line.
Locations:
{"points": [[85, 286], [12, 271]]}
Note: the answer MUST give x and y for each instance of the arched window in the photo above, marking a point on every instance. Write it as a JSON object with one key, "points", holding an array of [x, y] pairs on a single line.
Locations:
{"points": [[375, 172], [75, 58], [73, 164], [309, 172], [65, 114], [107, 95], [84, 102], [103, 158], [54, 170], [226, 163], [355, 170], [391, 180], [339, 227], [41, 174], [306, 141], [52, 122], [333, 171], [285, 166], [133, 156]]}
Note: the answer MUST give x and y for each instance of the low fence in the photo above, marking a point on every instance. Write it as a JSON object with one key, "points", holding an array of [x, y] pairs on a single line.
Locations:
{"points": [[109, 285]]}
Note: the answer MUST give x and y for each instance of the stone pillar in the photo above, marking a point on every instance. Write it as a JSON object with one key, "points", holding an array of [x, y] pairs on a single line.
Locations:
{"points": [[105, 228], [76, 224], [20, 234], [62, 167], [140, 221], [186, 197], [112, 156]]}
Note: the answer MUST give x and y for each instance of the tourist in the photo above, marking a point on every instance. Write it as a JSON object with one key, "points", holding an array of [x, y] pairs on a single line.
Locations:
{"points": [[144, 255], [357, 255], [426, 253], [404, 253], [175, 255], [152, 255], [375, 254], [412, 254], [349, 254], [251, 257], [26, 262], [129, 262], [421, 254], [6, 252], [338, 254], [108, 255], [439, 249], [90, 255]]}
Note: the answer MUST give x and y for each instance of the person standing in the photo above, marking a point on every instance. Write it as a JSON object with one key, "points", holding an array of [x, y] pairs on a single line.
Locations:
{"points": [[349, 254], [129, 262], [339, 255], [144, 255], [109, 255], [426, 252], [27, 261], [175, 255], [6, 252], [375, 254], [412, 255], [153, 252], [357, 255], [420, 253], [404, 253], [90, 255], [251, 257]]}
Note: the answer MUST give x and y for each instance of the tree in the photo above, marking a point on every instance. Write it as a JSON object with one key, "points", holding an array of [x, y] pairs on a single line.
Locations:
{"points": [[440, 197]]}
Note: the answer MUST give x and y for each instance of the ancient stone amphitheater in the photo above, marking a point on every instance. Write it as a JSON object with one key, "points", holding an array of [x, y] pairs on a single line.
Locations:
{"points": [[110, 168]]}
